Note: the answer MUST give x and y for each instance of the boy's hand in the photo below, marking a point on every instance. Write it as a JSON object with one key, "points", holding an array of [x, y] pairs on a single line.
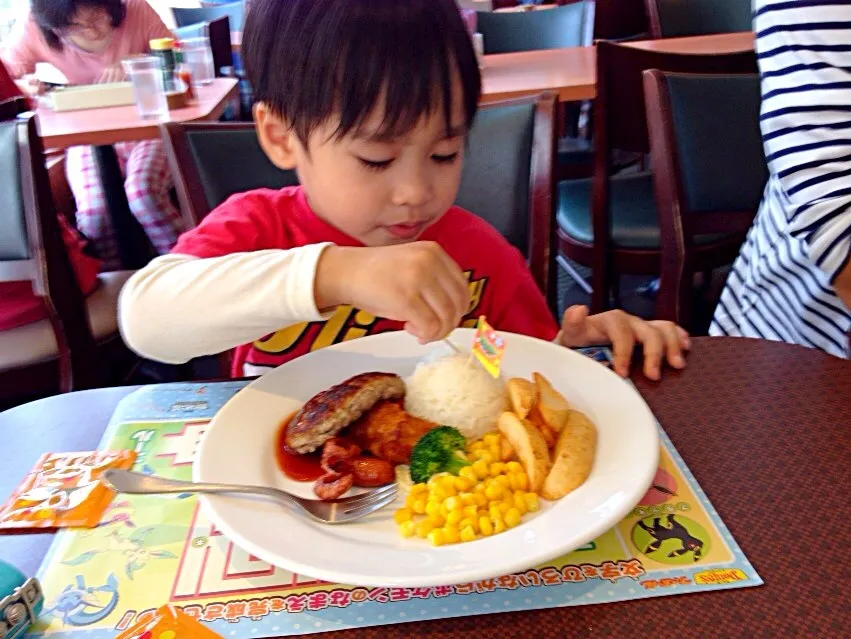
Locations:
{"points": [[417, 283], [622, 331]]}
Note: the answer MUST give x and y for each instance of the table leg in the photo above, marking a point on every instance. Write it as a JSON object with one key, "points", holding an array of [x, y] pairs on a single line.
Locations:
{"points": [[134, 248]]}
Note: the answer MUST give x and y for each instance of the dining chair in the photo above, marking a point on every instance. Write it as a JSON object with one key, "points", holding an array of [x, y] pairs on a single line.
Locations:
{"points": [[681, 18], [619, 20], [218, 31], [507, 177], [610, 222], [532, 30], [234, 11], [709, 175], [78, 346]]}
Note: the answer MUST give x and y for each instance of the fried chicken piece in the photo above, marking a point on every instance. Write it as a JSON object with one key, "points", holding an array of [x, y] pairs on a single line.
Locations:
{"points": [[388, 432]]}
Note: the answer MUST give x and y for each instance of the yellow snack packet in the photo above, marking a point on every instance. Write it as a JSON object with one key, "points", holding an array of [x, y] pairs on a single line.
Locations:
{"points": [[488, 347], [64, 490], [168, 623]]}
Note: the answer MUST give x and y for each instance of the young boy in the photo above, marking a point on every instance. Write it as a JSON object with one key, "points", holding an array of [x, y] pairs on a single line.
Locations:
{"points": [[370, 102]]}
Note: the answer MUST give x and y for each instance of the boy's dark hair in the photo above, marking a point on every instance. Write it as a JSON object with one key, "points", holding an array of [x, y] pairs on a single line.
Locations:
{"points": [[308, 60], [51, 15]]}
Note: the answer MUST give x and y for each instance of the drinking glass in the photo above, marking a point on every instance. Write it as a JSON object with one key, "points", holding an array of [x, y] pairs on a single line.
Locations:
{"points": [[146, 75], [198, 56]]}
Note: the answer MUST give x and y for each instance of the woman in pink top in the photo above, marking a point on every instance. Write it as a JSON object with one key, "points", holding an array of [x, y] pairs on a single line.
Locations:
{"points": [[86, 40]]}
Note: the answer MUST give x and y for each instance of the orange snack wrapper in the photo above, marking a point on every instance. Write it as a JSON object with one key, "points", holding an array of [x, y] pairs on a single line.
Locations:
{"points": [[169, 623], [64, 490]]}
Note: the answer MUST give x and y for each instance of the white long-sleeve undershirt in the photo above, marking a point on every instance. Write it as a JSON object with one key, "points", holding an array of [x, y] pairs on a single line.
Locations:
{"points": [[179, 307]]}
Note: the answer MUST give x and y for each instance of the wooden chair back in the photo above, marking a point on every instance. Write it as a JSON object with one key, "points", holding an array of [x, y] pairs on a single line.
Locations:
{"points": [[709, 169]]}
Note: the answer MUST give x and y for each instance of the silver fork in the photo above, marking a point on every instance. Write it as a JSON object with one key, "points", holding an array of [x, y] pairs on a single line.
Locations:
{"points": [[331, 511]]}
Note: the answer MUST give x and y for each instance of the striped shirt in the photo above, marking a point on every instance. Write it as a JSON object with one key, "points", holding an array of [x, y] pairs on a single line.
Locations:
{"points": [[780, 287]]}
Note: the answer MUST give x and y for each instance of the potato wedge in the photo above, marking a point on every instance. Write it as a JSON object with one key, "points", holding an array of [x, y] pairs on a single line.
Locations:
{"points": [[573, 457], [530, 447], [522, 394], [550, 435], [553, 406], [506, 452]]}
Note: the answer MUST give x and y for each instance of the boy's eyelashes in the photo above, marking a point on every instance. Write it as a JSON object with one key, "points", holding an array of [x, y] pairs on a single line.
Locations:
{"points": [[378, 165]]}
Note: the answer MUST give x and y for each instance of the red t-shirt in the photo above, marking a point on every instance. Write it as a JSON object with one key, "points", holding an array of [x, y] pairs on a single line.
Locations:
{"points": [[18, 303], [501, 286]]}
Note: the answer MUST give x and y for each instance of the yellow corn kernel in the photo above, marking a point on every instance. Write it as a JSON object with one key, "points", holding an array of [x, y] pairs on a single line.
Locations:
{"points": [[437, 537], [437, 519], [512, 518], [418, 489], [520, 503], [424, 528], [432, 507], [407, 528], [453, 503], [402, 515], [487, 458], [498, 526], [497, 468], [503, 481], [468, 534], [454, 517], [490, 439], [494, 510], [469, 522], [480, 500], [448, 482], [486, 526], [514, 467], [464, 484], [419, 506], [467, 472], [532, 503], [467, 499], [451, 534], [513, 481], [480, 488], [409, 501], [494, 492], [523, 481], [495, 452], [436, 492], [481, 468], [470, 511], [505, 506]]}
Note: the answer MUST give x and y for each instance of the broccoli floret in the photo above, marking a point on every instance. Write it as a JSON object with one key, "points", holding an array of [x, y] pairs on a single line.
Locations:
{"points": [[438, 451]]}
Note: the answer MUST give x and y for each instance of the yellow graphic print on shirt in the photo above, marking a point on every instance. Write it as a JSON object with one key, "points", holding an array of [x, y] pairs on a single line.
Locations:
{"points": [[345, 324]]}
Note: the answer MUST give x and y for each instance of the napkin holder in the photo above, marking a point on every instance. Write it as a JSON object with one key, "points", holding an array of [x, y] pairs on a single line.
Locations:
{"points": [[91, 96]]}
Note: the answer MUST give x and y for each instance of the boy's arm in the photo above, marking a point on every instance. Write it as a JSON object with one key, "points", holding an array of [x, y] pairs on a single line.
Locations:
{"points": [[180, 307]]}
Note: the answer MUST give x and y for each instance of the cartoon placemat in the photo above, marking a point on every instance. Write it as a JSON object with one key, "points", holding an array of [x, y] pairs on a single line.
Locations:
{"points": [[149, 552]]}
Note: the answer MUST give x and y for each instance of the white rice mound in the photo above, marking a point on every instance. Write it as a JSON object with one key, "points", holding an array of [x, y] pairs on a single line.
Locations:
{"points": [[456, 391]]}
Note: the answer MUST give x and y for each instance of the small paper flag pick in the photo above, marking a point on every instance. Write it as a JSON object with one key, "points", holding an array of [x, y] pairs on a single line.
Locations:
{"points": [[168, 622], [488, 347]]}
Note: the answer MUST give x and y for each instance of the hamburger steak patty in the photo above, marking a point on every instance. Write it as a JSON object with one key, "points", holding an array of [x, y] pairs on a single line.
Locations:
{"points": [[329, 412]]}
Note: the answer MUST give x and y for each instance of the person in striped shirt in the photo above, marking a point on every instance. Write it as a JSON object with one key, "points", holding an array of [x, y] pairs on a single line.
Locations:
{"points": [[792, 279]]}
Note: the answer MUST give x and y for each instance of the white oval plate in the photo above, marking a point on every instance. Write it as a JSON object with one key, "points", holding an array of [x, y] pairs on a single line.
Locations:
{"points": [[239, 448]]}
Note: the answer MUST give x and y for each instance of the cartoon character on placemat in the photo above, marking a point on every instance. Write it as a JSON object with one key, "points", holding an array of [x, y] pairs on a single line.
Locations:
{"points": [[679, 539], [79, 605], [136, 549]]}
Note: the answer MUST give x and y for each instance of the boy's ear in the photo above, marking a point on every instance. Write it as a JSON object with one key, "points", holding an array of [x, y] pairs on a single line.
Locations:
{"points": [[276, 137]]}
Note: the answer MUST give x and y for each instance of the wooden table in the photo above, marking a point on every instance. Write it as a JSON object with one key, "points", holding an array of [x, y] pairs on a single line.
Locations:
{"points": [[123, 124], [571, 73], [763, 427], [102, 128]]}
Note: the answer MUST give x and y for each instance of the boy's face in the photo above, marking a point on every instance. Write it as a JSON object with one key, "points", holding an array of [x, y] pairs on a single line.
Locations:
{"points": [[378, 191]]}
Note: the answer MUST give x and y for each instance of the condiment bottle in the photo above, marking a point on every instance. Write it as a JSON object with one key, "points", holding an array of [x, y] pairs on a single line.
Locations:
{"points": [[163, 48]]}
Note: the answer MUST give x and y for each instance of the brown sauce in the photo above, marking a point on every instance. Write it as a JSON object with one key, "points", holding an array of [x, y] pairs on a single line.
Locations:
{"points": [[294, 465]]}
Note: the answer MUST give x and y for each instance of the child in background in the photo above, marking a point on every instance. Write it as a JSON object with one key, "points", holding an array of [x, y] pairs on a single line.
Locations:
{"points": [[86, 40], [370, 102]]}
